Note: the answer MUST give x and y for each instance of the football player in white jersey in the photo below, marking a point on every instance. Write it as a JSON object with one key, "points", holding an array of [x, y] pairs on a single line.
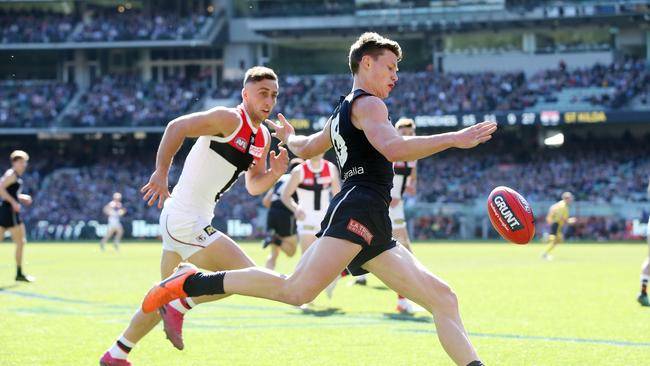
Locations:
{"points": [[315, 181], [230, 142], [404, 180], [114, 210]]}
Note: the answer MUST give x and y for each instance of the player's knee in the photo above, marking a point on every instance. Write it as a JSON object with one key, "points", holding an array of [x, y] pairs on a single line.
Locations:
{"points": [[445, 299], [297, 297]]}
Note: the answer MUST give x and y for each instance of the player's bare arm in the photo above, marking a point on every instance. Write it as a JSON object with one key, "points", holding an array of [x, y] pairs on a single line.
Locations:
{"points": [[305, 147], [218, 121], [8, 179], [289, 189], [371, 115], [259, 179], [412, 181]]}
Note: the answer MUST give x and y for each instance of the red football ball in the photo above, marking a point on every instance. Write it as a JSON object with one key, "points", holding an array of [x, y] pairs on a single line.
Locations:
{"points": [[511, 215]]}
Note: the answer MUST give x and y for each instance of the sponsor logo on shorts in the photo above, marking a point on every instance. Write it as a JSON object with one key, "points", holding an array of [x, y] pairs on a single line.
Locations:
{"points": [[505, 214], [209, 230], [241, 144], [201, 238], [358, 228]]}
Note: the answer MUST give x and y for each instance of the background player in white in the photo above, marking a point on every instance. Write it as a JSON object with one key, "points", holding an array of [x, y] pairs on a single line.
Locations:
{"points": [[405, 180], [230, 141], [280, 222], [316, 181], [114, 210], [11, 202], [645, 269]]}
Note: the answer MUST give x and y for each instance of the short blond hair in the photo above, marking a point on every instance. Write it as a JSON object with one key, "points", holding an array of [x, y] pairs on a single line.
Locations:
{"points": [[259, 73], [405, 123], [18, 154]]}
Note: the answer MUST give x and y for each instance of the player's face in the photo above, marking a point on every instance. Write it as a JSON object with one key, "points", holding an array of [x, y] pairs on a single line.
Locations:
{"points": [[407, 131], [260, 98], [383, 73], [19, 165], [568, 200]]}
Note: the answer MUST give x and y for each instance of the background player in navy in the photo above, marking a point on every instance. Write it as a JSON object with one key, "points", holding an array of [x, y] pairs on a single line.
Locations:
{"points": [[356, 232], [280, 221], [11, 185]]}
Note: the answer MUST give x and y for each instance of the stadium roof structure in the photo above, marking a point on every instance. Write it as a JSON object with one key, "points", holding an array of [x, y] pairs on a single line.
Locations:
{"points": [[446, 19]]}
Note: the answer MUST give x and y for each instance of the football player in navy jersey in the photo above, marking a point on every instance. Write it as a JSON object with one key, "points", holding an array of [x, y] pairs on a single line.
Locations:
{"points": [[356, 231]]}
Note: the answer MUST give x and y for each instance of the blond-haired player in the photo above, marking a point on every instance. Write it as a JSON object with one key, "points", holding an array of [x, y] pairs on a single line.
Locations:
{"points": [[558, 216], [11, 185], [114, 210]]}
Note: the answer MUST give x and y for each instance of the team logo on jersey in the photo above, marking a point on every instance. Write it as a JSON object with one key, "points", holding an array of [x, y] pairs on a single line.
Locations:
{"points": [[241, 144], [209, 230], [358, 228], [256, 151]]}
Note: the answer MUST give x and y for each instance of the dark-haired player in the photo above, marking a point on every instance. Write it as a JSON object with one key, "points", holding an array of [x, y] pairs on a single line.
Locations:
{"points": [[11, 203], [230, 142], [356, 231]]}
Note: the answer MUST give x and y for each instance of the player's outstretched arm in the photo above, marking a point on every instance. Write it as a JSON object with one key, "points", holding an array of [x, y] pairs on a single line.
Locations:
{"points": [[371, 115], [259, 179], [218, 121], [303, 146]]}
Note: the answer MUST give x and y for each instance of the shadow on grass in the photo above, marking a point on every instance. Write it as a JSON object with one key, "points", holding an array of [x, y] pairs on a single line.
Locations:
{"points": [[405, 317], [323, 312]]}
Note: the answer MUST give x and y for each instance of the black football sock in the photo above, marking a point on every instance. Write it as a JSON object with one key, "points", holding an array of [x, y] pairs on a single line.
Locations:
{"points": [[19, 271], [201, 283], [475, 363]]}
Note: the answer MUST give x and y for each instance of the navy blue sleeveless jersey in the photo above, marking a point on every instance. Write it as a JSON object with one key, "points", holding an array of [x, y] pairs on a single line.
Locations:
{"points": [[359, 162]]}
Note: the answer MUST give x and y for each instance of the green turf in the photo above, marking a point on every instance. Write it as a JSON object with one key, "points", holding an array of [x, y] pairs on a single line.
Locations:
{"points": [[579, 309]]}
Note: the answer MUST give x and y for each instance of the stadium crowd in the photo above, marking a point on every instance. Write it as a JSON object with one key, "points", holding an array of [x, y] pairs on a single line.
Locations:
{"points": [[97, 26], [125, 100], [33, 104], [77, 190]]}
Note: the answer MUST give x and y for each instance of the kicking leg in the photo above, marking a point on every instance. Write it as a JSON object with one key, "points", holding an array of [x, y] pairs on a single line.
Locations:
{"points": [[403, 273], [220, 255], [317, 268]]}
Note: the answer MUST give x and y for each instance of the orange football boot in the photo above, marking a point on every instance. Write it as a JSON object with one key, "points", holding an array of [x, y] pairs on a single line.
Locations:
{"points": [[168, 289]]}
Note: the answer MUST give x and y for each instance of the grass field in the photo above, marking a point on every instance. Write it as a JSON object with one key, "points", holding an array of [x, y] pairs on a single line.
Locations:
{"points": [[579, 309]]}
